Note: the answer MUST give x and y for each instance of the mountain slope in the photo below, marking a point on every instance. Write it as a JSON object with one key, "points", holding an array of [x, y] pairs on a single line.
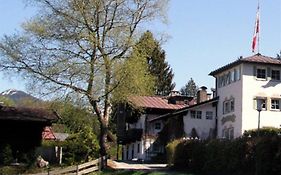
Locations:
{"points": [[17, 95]]}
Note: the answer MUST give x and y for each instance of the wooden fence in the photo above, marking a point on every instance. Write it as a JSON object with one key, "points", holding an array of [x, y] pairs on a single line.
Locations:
{"points": [[85, 168]]}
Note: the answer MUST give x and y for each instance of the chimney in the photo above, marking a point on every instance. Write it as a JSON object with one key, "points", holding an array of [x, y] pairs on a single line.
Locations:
{"points": [[174, 93], [202, 94], [214, 92]]}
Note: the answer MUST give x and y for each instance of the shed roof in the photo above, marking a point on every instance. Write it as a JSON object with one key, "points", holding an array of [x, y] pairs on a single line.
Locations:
{"points": [[257, 58], [26, 114]]}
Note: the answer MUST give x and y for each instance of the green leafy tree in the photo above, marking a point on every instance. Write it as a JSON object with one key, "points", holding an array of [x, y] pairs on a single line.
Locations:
{"points": [[190, 88], [158, 67], [80, 47]]}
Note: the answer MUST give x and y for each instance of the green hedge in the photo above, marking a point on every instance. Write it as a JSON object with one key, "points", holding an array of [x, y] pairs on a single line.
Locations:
{"points": [[244, 155]]}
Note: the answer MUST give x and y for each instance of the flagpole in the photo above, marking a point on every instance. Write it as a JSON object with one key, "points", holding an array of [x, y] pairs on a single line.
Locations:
{"points": [[259, 27], [256, 36]]}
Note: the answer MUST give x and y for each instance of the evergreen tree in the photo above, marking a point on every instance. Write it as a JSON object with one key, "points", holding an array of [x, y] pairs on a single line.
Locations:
{"points": [[278, 56], [158, 67], [190, 88]]}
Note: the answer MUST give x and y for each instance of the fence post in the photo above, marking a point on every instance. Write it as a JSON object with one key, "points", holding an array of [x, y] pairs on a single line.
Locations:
{"points": [[100, 163], [77, 169], [48, 170]]}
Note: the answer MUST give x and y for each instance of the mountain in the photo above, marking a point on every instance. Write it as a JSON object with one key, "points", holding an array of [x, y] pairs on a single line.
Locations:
{"points": [[17, 95]]}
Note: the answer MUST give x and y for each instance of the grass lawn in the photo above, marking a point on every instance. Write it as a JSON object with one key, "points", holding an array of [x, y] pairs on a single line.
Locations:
{"points": [[141, 172]]}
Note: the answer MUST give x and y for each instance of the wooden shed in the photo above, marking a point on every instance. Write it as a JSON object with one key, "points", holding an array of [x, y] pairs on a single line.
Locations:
{"points": [[22, 128]]}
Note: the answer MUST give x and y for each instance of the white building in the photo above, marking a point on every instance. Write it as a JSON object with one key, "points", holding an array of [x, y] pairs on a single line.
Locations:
{"points": [[139, 135], [239, 85], [232, 109]]}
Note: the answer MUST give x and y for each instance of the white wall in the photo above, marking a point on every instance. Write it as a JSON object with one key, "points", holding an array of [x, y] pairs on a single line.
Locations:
{"points": [[202, 125], [145, 142], [259, 88], [244, 92], [233, 90]]}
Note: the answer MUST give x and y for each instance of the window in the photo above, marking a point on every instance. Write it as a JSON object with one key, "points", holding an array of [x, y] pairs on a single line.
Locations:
{"points": [[260, 103], [275, 104], [192, 114], [196, 114], [138, 148], [275, 74], [228, 77], [232, 76], [237, 74], [199, 114], [209, 115], [228, 106], [157, 126], [231, 133], [228, 133], [232, 105], [261, 73]]}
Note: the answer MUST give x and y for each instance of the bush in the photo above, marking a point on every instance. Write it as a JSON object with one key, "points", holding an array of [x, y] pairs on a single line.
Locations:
{"points": [[80, 147], [263, 132], [241, 155], [6, 156], [170, 149]]}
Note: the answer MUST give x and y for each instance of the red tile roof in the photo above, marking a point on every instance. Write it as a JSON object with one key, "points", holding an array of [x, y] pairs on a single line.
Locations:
{"points": [[258, 59], [155, 102], [48, 134]]}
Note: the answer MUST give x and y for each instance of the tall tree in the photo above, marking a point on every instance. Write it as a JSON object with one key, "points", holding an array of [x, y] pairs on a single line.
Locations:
{"points": [[190, 88], [158, 67], [79, 47]]}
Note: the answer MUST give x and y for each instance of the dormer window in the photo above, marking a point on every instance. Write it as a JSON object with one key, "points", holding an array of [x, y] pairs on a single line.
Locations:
{"points": [[261, 73]]}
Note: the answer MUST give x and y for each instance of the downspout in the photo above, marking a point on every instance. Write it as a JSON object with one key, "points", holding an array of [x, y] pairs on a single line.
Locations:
{"points": [[216, 121]]}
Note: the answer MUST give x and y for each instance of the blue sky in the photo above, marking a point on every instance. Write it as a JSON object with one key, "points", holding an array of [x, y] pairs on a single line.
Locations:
{"points": [[203, 34]]}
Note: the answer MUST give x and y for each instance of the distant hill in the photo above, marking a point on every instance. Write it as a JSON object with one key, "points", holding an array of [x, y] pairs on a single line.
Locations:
{"points": [[17, 95]]}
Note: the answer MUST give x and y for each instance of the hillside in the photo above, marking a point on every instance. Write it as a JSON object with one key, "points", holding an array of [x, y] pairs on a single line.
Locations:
{"points": [[17, 95]]}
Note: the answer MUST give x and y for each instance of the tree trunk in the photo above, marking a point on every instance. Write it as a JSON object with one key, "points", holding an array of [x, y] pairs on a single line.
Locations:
{"points": [[102, 142], [103, 120], [103, 137]]}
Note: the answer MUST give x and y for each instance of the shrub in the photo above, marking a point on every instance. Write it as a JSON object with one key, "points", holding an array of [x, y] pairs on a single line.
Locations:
{"points": [[170, 148], [80, 147], [6, 156], [241, 155], [263, 132], [268, 155], [189, 154]]}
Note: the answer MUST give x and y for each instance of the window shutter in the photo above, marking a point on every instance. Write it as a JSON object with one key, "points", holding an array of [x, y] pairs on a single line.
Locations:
{"points": [[268, 72], [255, 71], [255, 103]]}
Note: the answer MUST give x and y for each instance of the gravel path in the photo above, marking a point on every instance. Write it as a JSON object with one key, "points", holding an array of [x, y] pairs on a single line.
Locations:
{"points": [[135, 166]]}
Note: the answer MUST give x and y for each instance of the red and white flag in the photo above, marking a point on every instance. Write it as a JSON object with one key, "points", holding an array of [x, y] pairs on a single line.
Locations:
{"points": [[256, 31]]}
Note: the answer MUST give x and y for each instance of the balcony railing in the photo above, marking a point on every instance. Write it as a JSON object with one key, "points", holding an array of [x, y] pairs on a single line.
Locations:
{"points": [[130, 136]]}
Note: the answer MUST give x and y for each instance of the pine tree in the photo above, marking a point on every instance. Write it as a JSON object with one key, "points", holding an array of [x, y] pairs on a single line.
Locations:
{"points": [[278, 56], [190, 88], [158, 67]]}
